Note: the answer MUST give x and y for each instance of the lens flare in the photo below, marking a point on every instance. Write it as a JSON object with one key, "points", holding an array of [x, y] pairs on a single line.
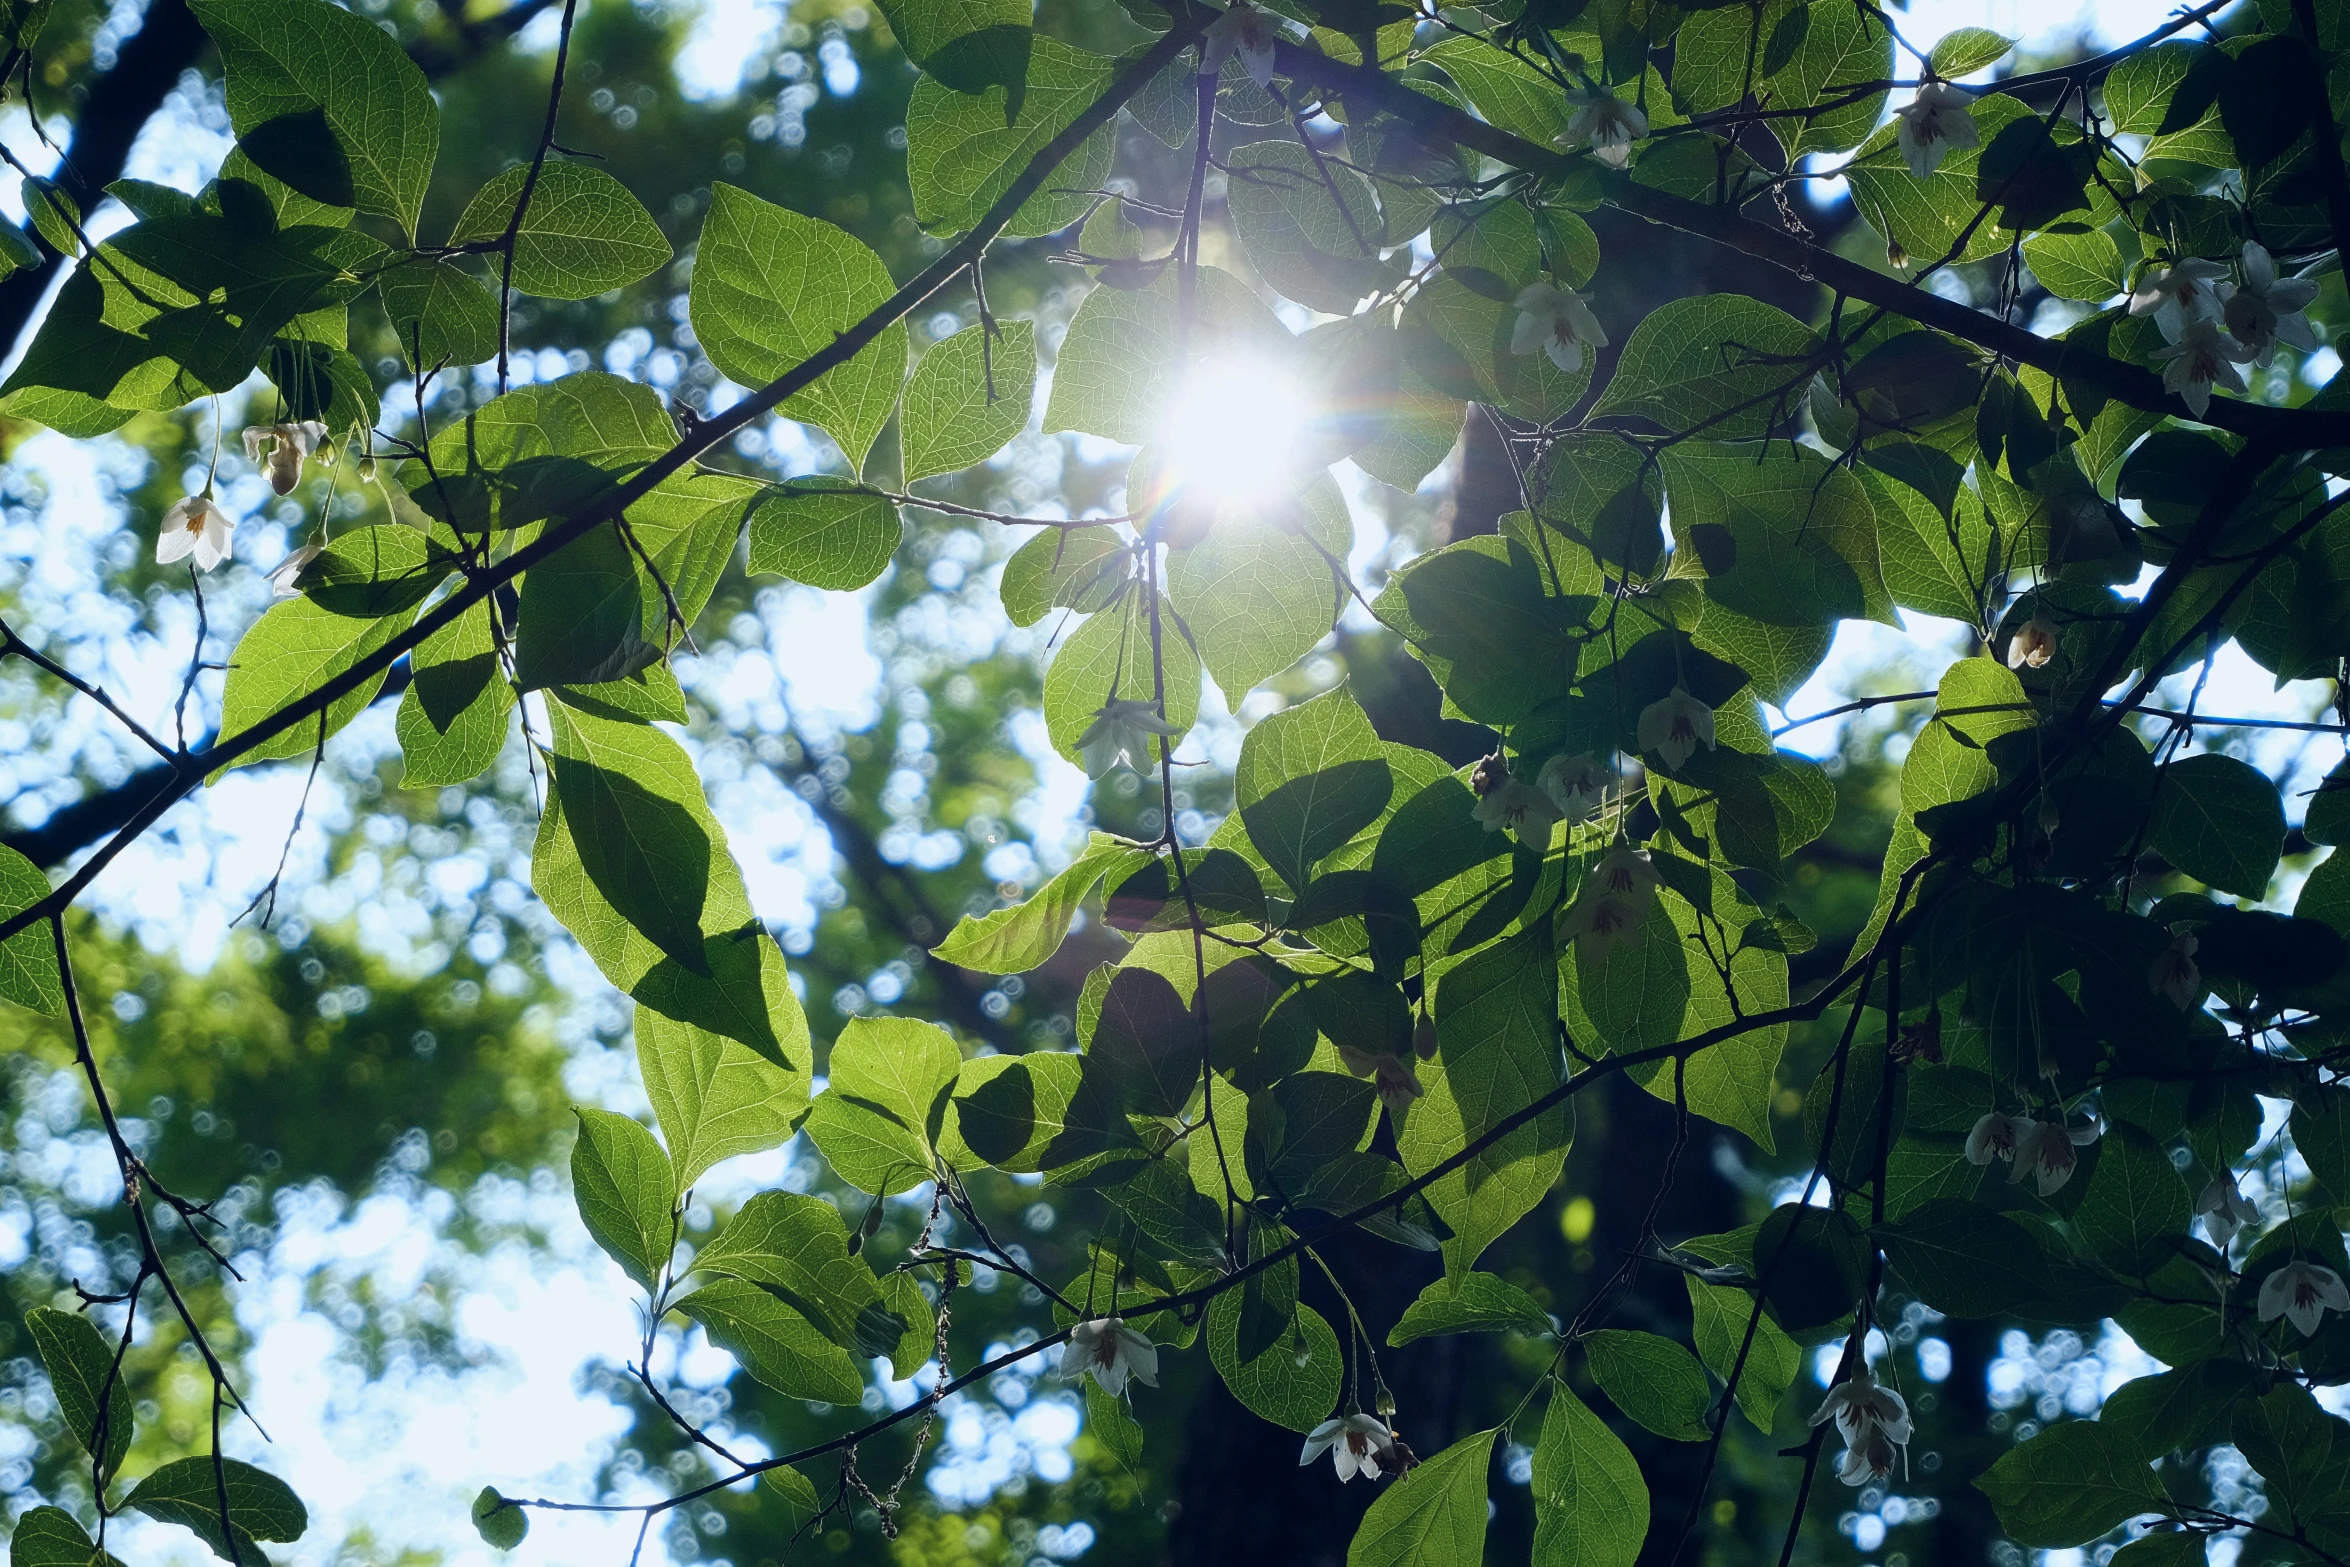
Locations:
{"points": [[1235, 433]]}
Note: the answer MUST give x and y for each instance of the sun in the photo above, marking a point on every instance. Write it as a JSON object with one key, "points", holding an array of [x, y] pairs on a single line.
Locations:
{"points": [[1235, 432]]}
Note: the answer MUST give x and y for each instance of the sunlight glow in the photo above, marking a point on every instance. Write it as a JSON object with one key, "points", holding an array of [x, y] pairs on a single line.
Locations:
{"points": [[1235, 432]]}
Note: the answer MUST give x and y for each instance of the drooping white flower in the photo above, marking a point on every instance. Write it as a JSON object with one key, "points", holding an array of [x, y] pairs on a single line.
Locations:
{"points": [[1357, 1444], [1557, 321], [1507, 802], [1993, 1137], [1392, 1077], [2204, 356], [2174, 973], [1873, 1421], [2225, 1209], [282, 448], [286, 576], [2177, 295], [1113, 1352], [1576, 784], [1939, 120], [2265, 309], [2302, 1292], [2033, 644], [1605, 123], [1245, 31], [1675, 725], [1122, 728], [1613, 901], [2044, 1150], [196, 526]]}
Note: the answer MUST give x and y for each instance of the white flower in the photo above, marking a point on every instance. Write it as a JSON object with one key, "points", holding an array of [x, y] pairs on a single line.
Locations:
{"points": [[1122, 728], [1674, 726], [1605, 123], [1938, 120], [1576, 784], [1358, 1444], [2203, 357], [2178, 295], [1246, 31], [1113, 1352], [1872, 1420], [1392, 1078], [1520, 807], [286, 445], [2266, 309], [1613, 901], [2224, 1209], [2044, 1151], [196, 526], [1557, 321], [2174, 973], [2033, 644], [286, 575], [1994, 1137], [2301, 1292]]}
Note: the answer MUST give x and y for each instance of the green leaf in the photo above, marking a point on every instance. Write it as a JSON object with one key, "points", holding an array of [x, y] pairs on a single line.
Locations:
{"points": [[716, 1098], [582, 615], [302, 643], [289, 56], [582, 234], [1147, 1043], [1309, 779], [826, 532], [1273, 1384], [2087, 266], [2178, 1411], [2292, 1442], [771, 288], [453, 718], [1978, 701], [2136, 1203], [1720, 1317], [1065, 568], [796, 1247], [1310, 225], [501, 1524], [1469, 1303], [886, 1095], [1966, 50], [774, 1343], [1497, 1052], [1590, 1504], [50, 1537], [971, 45], [963, 151], [1432, 1517], [641, 843], [1256, 598], [1022, 937], [2221, 822], [84, 1376], [1809, 54], [55, 215], [544, 451], [1781, 537], [1927, 217], [1117, 1430], [1934, 560], [739, 988], [1724, 361], [626, 1194], [2070, 1484], [299, 150], [187, 1492], [1964, 1260], [28, 959], [1109, 656], [1654, 1380], [953, 419]]}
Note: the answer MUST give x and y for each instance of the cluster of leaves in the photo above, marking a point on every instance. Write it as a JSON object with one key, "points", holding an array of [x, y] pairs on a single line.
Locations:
{"points": [[1356, 1005]]}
